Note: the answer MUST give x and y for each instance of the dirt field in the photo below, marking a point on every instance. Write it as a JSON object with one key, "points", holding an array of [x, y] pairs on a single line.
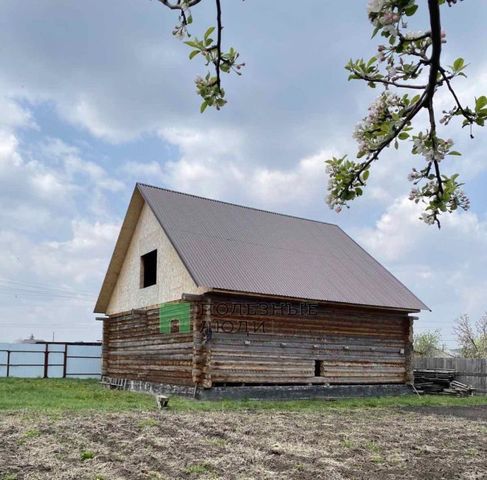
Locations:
{"points": [[383, 443]]}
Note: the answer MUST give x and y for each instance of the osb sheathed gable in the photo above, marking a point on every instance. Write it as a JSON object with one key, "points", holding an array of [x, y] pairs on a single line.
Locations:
{"points": [[121, 247], [227, 247]]}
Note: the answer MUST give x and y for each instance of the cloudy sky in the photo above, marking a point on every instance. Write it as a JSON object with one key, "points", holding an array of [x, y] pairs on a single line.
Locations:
{"points": [[95, 96]]}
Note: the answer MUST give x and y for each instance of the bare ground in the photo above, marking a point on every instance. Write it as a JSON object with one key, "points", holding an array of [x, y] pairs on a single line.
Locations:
{"points": [[336, 444]]}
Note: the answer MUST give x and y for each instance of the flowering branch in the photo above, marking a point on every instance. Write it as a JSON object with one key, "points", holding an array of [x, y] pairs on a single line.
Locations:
{"points": [[390, 116], [208, 87]]}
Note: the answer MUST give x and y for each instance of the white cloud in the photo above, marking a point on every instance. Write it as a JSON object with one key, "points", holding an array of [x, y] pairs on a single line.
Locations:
{"points": [[74, 165], [52, 285], [211, 163], [397, 232], [13, 115], [205, 143], [54, 250], [445, 268], [81, 258], [303, 184], [145, 172], [30, 189]]}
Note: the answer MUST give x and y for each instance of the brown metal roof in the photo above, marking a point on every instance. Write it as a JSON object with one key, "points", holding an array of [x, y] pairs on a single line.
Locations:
{"points": [[231, 247]]}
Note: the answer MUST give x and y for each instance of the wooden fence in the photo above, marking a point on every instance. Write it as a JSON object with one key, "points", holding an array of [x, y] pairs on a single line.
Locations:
{"points": [[470, 371]]}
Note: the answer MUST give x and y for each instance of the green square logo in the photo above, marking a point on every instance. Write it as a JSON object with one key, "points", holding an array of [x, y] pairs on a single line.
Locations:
{"points": [[175, 317]]}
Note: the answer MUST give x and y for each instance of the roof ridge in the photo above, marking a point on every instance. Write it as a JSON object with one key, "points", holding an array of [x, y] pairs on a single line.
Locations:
{"points": [[238, 205]]}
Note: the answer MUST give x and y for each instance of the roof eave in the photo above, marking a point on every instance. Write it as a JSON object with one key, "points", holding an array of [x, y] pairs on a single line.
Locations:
{"points": [[328, 302], [123, 241]]}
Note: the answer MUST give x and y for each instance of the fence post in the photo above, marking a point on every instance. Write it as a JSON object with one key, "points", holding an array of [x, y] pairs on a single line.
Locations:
{"points": [[65, 360], [8, 363], [46, 361]]}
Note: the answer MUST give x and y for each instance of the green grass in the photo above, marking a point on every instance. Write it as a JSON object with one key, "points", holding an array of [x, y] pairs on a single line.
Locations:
{"points": [[87, 455], [199, 468], [185, 404], [53, 395], [58, 395]]}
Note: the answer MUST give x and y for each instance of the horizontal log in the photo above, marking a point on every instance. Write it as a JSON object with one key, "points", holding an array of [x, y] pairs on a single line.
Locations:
{"points": [[304, 380], [310, 339], [160, 346], [290, 343], [317, 354], [248, 357]]}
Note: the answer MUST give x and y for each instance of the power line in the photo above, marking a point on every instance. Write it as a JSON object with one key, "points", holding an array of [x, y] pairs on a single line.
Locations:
{"points": [[17, 291], [43, 291], [44, 287]]}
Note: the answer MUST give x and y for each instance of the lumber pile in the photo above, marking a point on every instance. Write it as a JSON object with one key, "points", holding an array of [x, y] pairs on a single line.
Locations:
{"points": [[440, 382]]}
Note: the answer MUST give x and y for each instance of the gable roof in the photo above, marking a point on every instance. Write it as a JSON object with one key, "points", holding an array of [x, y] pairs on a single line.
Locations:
{"points": [[234, 248]]}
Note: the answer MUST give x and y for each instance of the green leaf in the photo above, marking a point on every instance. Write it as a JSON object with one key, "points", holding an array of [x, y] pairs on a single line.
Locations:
{"points": [[411, 10], [203, 106], [480, 103], [403, 136], [371, 61], [193, 54], [192, 43], [209, 32], [458, 64], [365, 175], [454, 152]]}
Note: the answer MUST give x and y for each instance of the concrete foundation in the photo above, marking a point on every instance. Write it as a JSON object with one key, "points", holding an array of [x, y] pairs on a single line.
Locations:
{"points": [[267, 392]]}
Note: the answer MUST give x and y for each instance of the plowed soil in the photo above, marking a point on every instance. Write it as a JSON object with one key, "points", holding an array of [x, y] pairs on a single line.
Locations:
{"points": [[382, 443]]}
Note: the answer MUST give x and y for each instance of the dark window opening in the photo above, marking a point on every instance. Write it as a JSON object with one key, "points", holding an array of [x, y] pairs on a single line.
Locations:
{"points": [[317, 368], [175, 326], [148, 267]]}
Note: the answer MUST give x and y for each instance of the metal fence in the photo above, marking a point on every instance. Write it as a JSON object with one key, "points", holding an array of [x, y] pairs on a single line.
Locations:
{"points": [[50, 360], [468, 370]]}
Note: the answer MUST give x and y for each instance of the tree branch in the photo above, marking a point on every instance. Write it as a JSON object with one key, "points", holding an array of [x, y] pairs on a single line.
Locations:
{"points": [[218, 42], [178, 6], [389, 82], [435, 23], [425, 101], [375, 153], [447, 79]]}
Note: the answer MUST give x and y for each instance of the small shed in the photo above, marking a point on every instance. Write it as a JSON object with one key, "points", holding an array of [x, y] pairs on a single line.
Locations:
{"points": [[202, 294]]}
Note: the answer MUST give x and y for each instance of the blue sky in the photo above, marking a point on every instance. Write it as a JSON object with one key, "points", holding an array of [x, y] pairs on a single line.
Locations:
{"points": [[95, 96]]}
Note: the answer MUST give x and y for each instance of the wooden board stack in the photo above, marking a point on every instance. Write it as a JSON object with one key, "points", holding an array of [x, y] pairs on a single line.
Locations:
{"points": [[440, 382]]}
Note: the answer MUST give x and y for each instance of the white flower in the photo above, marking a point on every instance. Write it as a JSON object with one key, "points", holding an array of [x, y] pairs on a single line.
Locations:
{"points": [[427, 218], [412, 35], [375, 6], [391, 29]]}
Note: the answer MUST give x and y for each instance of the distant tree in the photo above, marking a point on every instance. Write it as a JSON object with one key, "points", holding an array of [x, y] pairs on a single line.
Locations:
{"points": [[428, 343], [406, 61], [472, 337]]}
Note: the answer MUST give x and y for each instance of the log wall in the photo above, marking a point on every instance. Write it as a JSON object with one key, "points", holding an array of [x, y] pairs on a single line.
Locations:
{"points": [[335, 345], [135, 349], [245, 341]]}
